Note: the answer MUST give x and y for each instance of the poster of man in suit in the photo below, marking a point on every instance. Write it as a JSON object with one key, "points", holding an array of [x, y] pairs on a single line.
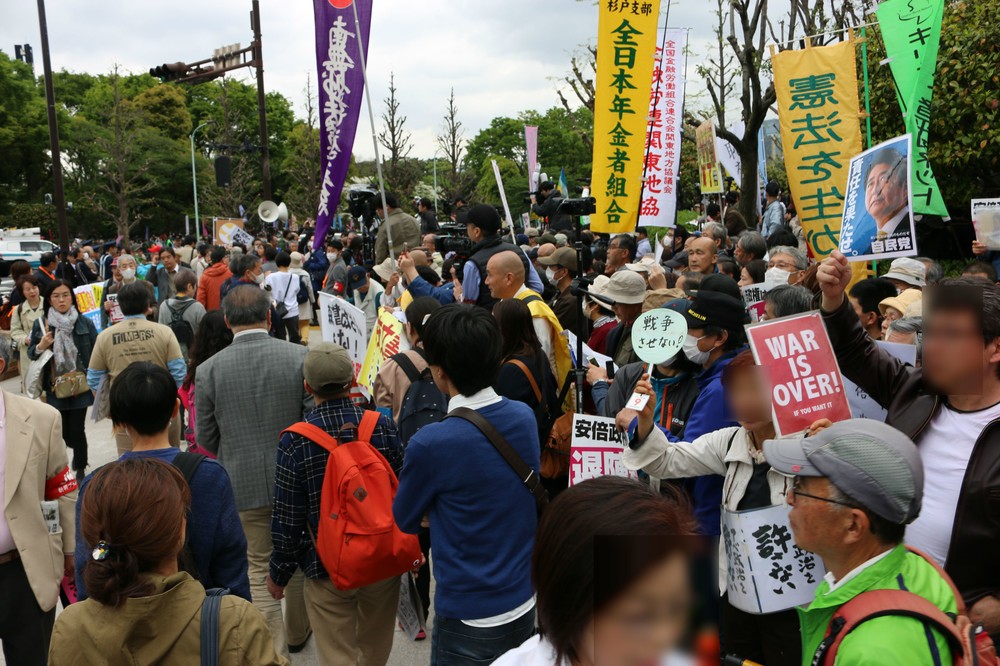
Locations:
{"points": [[878, 215]]}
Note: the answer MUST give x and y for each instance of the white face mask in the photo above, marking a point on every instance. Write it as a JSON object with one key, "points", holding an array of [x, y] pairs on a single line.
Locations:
{"points": [[128, 274], [550, 274], [776, 276], [259, 278], [86, 255], [332, 256], [695, 355]]}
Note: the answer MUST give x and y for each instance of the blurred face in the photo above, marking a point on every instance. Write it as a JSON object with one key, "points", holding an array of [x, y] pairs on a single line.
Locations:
{"points": [[749, 398], [645, 621], [745, 279], [61, 299], [955, 360], [169, 261], [258, 247], [701, 255], [30, 292], [885, 192]]}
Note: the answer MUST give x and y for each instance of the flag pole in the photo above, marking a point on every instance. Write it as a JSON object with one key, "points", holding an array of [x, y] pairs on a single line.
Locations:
{"points": [[371, 119]]}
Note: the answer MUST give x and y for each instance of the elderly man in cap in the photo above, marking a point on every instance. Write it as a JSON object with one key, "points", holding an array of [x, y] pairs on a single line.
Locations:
{"points": [[858, 484], [560, 269], [366, 294], [356, 623], [628, 290], [906, 273]]}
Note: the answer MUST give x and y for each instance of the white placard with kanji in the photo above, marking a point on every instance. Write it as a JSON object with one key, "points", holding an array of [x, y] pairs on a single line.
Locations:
{"points": [[596, 449], [766, 571]]}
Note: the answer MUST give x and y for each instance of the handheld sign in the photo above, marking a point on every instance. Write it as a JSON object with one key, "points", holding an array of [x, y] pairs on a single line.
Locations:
{"points": [[806, 384], [765, 571], [344, 324], [986, 220], [657, 336], [863, 406], [596, 449], [753, 296]]}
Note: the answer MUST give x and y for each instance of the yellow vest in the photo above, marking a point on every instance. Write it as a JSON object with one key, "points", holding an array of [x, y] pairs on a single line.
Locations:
{"points": [[564, 362]]}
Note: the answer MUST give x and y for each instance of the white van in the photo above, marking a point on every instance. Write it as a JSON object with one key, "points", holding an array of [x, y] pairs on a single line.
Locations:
{"points": [[24, 244]]}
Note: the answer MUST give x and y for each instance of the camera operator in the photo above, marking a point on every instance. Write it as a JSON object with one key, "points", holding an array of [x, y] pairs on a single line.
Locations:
{"points": [[428, 220], [546, 204], [405, 229], [482, 226]]}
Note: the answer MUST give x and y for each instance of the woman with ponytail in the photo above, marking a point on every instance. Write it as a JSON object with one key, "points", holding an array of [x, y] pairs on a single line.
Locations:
{"points": [[142, 609]]}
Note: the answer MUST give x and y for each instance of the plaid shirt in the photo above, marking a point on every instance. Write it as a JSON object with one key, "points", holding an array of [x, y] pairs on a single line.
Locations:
{"points": [[298, 484]]}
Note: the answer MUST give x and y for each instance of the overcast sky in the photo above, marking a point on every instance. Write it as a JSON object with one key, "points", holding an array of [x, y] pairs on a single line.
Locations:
{"points": [[501, 57]]}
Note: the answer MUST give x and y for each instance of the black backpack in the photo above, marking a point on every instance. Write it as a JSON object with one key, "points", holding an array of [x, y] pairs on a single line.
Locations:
{"points": [[303, 294], [423, 404], [180, 326]]}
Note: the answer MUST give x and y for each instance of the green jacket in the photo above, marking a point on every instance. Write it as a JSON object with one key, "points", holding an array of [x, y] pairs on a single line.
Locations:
{"points": [[885, 641]]}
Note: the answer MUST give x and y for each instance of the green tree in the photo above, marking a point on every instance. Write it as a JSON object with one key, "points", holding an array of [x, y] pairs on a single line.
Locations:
{"points": [[24, 169], [165, 108]]}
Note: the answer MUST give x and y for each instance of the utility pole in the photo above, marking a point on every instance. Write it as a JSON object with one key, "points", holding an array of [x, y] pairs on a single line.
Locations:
{"points": [[265, 153], [50, 104]]}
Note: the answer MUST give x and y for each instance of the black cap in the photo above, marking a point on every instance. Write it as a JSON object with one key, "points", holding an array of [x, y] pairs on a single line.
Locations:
{"points": [[546, 185], [485, 217], [722, 283], [713, 308]]}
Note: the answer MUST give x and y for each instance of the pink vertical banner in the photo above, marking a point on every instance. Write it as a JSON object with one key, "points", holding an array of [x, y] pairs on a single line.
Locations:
{"points": [[531, 141]]}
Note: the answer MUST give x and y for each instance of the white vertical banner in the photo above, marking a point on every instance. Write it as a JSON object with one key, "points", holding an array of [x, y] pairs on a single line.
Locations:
{"points": [[663, 132], [728, 157]]}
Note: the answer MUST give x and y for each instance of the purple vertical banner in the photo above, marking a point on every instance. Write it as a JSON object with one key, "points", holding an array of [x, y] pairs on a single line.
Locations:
{"points": [[531, 141], [341, 94]]}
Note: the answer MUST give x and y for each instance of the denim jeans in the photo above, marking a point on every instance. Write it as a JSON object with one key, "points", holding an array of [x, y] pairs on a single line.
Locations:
{"points": [[454, 643]]}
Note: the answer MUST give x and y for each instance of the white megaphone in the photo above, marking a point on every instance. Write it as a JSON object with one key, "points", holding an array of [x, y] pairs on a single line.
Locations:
{"points": [[270, 211]]}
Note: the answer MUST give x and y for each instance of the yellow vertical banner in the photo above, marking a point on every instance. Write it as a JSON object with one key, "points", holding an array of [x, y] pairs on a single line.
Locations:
{"points": [[626, 46], [709, 172], [819, 114]]}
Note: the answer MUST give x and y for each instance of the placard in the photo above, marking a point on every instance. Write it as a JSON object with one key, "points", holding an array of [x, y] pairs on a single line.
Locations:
{"points": [[115, 315], [344, 324], [224, 229], [753, 296], [765, 571], [658, 335], [596, 449], [588, 353], [242, 237], [386, 340], [88, 298], [878, 208], [805, 380], [863, 406], [986, 220]]}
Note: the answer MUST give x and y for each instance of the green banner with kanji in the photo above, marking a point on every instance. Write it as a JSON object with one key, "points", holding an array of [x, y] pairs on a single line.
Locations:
{"points": [[911, 30]]}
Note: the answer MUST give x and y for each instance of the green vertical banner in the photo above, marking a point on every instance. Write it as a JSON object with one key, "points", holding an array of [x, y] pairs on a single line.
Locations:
{"points": [[911, 30]]}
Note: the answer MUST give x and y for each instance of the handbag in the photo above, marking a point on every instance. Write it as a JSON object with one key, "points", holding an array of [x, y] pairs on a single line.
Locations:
{"points": [[33, 378], [70, 384], [558, 431]]}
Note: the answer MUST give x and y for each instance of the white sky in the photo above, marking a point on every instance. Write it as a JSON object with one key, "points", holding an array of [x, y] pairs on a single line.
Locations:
{"points": [[501, 57]]}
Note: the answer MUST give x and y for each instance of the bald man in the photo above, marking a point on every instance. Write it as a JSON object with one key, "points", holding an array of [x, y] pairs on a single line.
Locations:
{"points": [[505, 279], [701, 256]]}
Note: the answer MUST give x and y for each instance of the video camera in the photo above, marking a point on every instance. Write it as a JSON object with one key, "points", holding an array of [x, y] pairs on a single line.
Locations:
{"points": [[454, 238], [578, 207], [361, 204]]}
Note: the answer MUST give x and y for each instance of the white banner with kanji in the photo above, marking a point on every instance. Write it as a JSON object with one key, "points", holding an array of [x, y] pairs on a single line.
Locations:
{"points": [[663, 132]]}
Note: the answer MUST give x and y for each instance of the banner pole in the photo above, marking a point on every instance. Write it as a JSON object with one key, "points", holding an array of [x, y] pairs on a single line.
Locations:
{"points": [[503, 198], [371, 119], [868, 104]]}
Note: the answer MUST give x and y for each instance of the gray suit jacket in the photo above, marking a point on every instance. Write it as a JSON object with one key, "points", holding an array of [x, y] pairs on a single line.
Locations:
{"points": [[245, 396]]}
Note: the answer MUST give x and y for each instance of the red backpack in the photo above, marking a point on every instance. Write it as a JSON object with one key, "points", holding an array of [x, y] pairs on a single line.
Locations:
{"points": [[970, 644], [358, 541]]}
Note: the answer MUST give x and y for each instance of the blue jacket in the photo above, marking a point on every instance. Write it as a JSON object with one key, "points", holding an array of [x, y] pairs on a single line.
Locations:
{"points": [[444, 294], [215, 535], [316, 266], [482, 517]]}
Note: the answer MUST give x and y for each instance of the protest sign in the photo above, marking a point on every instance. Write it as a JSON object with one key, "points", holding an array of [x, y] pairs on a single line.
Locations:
{"points": [[986, 220], [88, 298], [344, 324], [818, 110], [626, 43], [663, 132], [878, 217], [115, 315], [658, 335], [765, 571], [225, 228], [728, 156], [596, 449], [710, 173], [863, 406], [753, 296], [387, 340], [242, 237], [912, 35], [588, 353], [806, 384]]}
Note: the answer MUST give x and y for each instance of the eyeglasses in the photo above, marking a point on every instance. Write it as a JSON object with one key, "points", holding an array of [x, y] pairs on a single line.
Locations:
{"points": [[796, 493]]}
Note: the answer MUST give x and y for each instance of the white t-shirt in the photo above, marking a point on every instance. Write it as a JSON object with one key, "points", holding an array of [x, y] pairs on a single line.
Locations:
{"points": [[285, 288], [945, 449], [537, 651]]}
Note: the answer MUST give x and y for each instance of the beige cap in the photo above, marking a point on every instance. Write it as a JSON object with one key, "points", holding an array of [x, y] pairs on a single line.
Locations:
{"points": [[901, 302], [385, 270], [626, 287], [328, 367], [564, 256]]}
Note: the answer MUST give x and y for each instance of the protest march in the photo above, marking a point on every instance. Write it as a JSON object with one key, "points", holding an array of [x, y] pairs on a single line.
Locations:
{"points": [[699, 365]]}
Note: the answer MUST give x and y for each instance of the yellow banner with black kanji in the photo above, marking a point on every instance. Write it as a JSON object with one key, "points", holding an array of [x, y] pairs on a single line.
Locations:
{"points": [[626, 48], [819, 114]]}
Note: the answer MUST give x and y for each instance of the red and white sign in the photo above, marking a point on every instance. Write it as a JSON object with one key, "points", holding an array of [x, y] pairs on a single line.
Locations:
{"points": [[806, 384], [596, 449], [663, 132]]}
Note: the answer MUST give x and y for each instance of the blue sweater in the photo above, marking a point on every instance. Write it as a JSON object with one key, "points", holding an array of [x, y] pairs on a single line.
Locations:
{"points": [[216, 540], [482, 517]]}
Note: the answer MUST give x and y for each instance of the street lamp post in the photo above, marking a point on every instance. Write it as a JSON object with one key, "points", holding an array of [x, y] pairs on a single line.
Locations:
{"points": [[194, 176], [436, 181]]}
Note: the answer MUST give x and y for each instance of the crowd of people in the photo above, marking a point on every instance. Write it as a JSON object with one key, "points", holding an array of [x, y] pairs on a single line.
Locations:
{"points": [[259, 501]]}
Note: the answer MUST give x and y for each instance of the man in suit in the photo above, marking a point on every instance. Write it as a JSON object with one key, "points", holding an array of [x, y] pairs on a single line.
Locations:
{"points": [[245, 396], [38, 492], [886, 227]]}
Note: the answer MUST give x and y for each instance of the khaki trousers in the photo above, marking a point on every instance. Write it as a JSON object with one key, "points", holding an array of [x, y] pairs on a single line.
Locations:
{"points": [[294, 627], [124, 442], [358, 625]]}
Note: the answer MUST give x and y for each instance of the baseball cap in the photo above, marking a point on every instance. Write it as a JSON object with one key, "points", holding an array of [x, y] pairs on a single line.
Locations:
{"points": [[626, 287], [548, 237], [564, 256], [873, 463], [356, 277], [485, 217], [907, 270], [327, 366], [714, 308], [902, 302], [721, 283]]}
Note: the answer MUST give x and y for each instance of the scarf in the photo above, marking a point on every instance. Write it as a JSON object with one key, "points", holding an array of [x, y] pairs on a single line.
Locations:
{"points": [[64, 349]]}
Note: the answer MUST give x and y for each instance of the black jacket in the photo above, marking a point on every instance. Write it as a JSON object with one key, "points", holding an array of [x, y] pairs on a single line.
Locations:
{"points": [[549, 210], [680, 397], [85, 337], [481, 254]]}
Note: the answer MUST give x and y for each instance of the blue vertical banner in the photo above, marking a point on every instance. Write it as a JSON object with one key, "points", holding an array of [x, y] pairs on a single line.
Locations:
{"points": [[341, 93]]}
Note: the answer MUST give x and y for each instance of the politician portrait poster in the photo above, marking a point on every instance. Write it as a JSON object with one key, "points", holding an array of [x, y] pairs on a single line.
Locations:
{"points": [[878, 215]]}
